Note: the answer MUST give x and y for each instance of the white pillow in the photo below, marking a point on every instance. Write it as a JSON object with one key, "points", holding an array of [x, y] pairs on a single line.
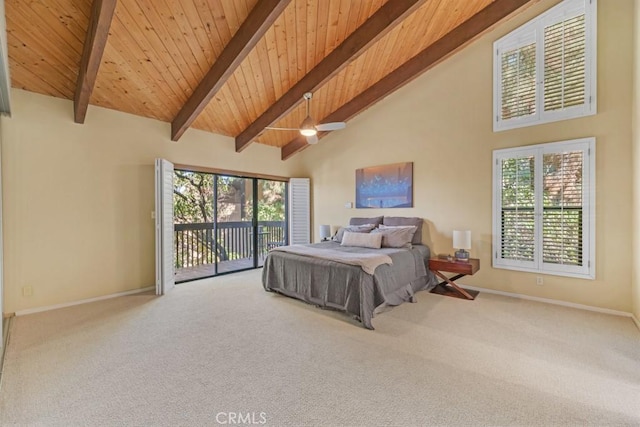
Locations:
{"points": [[362, 240]]}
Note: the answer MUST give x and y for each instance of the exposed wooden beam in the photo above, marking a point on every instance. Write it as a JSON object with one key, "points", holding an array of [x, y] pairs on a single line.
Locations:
{"points": [[427, 58], [374, 28], [260, 19], [94, 43]]}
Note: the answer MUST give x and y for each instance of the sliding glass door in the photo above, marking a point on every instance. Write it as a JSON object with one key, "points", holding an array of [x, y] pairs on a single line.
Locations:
{"points": [[225, 223]]}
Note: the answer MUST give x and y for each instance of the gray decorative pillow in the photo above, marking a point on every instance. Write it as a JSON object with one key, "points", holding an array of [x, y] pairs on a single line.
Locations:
{"points": [[396, 237], [413, 228], [365, 228], [401, 220], [376, 221], [362, 240]]}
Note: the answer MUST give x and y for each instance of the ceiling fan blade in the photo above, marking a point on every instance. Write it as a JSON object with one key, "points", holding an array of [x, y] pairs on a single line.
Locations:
{"points": [[313, 139], [322, 127], [274, 128]]}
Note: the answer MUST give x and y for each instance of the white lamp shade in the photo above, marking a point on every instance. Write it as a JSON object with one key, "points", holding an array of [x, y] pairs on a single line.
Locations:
{"points": [[462, 239], [325, 231]]}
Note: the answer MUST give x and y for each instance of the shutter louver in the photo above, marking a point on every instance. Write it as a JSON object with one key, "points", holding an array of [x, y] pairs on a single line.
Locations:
{"points": [[562, 208], [299, 211], [518, 71], [518, 209], [564, 64], [546, 69], [544, 208], [165, 273]]}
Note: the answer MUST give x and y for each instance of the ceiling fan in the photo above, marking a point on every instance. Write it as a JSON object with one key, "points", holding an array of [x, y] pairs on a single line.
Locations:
{"points": [[309, 128]]}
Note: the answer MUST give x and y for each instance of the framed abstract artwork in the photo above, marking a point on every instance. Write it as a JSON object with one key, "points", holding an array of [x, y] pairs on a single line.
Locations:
{"points": [[386, 186]]}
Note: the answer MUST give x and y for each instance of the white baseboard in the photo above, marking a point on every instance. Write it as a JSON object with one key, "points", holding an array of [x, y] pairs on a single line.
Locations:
{"points": [[83, 301], [556, 302], [636, 321]]}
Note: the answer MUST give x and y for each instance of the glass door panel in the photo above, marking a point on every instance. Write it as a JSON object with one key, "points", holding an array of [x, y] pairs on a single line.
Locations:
{"points": [[234, 223], [272, 208], [194, 243]]}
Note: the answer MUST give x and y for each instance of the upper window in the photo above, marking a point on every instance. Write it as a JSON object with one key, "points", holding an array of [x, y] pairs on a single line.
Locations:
{"points": [[545, 70], [544, 208]]}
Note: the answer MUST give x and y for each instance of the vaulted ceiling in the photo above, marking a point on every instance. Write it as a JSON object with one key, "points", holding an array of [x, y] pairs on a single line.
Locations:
{"points": [[234, 67]]}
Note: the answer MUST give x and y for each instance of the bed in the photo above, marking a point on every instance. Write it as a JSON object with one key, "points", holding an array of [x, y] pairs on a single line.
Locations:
{"points": [[311, 274]]}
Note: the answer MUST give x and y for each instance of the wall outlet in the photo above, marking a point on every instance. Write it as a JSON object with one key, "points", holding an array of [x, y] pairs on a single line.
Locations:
{"points": [[539, 281], [27, 291], [153, 214], [348, 205]]}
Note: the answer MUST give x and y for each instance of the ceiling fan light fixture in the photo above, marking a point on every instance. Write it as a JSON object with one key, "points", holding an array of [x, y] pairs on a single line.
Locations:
{"points": [[308, 128]]}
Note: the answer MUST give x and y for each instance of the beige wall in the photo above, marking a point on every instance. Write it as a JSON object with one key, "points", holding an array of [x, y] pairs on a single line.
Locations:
{"points": [[635, 287], [442, 122], [78, 198], [1, 244]]}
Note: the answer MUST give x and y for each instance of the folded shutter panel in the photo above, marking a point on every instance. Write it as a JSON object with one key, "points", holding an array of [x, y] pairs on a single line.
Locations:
{"points": [[299, 211], [562, 208], [518, 209]]}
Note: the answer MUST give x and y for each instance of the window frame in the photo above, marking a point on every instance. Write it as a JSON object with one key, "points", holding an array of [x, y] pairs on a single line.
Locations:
{"points": [[535, 28], [588, 268]]}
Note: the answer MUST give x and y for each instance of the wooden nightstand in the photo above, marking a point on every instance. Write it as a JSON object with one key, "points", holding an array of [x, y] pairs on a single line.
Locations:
{"points": [[461, 268]]}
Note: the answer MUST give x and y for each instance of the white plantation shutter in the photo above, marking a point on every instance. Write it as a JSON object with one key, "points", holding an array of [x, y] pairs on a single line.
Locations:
{"points": [[564, 64], [299, 211], [545, 70], [544, 208], [517, 74], [517, 219], [165, 279], [566, 208], [518, 93]]}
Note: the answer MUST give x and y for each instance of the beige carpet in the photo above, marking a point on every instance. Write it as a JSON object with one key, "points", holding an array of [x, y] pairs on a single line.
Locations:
{"points": [[224, 348]]}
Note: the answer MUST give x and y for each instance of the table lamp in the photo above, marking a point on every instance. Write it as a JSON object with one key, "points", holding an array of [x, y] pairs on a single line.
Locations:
{"points": [[462, 241], [325, 232]]}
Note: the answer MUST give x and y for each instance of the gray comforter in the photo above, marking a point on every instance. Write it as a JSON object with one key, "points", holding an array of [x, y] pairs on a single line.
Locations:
{"points": [[332, 284], [368, 261]]}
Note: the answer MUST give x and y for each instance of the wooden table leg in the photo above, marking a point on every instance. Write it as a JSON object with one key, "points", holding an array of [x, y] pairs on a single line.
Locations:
{"points": [[456, 287]]}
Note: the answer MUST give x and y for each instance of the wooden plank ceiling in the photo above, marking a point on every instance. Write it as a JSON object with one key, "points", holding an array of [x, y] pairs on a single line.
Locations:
{"points": [[158, 52]]}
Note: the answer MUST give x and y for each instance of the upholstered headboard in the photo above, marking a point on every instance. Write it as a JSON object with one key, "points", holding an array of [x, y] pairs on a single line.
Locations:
{"points": [[376, 220]]}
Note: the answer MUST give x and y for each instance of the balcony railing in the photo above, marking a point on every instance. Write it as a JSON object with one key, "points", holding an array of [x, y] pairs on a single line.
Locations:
{"points": [[196, 244]]}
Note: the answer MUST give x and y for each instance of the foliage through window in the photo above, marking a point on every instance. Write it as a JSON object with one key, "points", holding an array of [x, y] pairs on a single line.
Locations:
{"points": [[544, 208], [194, 197], [545, 70], [214, 217]]}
